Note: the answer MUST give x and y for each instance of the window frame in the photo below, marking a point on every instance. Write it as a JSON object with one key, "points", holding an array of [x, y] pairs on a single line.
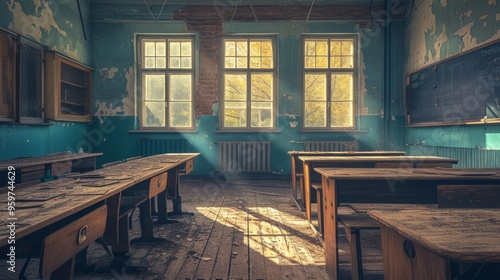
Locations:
{"points": [[19, 43], [248, 71], [12, 107], [167, 71], [329, 72]]}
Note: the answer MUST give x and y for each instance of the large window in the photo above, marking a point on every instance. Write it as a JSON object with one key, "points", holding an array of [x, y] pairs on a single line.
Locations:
{"points": [[330, 79], [166, 75], [248, 83], [21, 87]]}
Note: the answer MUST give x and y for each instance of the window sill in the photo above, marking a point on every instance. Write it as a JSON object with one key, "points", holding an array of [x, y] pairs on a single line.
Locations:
{"points": [[25, 123], [333, 131], [249, 131], [142, 131]]}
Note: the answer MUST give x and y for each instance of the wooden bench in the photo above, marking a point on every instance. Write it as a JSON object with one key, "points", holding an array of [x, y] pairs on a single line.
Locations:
{"points": [[360, 220]]}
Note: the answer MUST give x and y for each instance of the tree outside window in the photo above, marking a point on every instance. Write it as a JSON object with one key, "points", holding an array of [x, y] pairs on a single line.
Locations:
{"points": [[248, 83], [330, 75]]}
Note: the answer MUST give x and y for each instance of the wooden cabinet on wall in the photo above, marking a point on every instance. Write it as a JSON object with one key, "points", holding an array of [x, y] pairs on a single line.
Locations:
{"points": [[67, 89]]}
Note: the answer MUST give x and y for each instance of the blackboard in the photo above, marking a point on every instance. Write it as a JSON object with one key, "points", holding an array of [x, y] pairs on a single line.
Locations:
{"points": [[461, 89]]}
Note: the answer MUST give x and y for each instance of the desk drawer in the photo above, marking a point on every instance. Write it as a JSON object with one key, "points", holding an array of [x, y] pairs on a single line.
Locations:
{"points": [[189, 166], [73, 237], [157, 184]]}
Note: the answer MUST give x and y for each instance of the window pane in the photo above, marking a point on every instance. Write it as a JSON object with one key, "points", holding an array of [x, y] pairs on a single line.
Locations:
{"points": [[149, 48], [315, 87], [241, 62], [262, 114], [267, 48], [186, 62], [347, 47], [154, 87], [262, 87], [7, 77], [310, 62], [235, 114], [150, 62], [161, 49], [175, 62], [310, 47], [241, 48], [154, 114], [342, 87], [161, 62], [335, 62], [347, 62], [230, 48], [235, 87], [255, 48], [180, 114], [180, 87], [175, 49], [335, 46], [30, 84], [186, 48], [315, 114], [255, 62], [321, 47], [321, 62], [267, 62], [230, 62], [342, 114]]}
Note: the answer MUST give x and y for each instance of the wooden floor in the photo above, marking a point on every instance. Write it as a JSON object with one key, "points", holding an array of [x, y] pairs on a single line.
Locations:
{"points": [[239, 230]]}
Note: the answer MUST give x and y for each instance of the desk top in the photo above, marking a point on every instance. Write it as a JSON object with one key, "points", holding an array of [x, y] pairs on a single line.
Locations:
{"points": [[46, 159], [456, 234], [48, 202], [401, 174], [375, 159], [346, 153]]}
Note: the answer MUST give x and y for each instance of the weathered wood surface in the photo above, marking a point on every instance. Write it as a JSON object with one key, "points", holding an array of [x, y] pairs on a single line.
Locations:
{"points": [[378, 159], [64, 197], [468, 196], [463, 235], [400, 174], [365, 207], [46, 159]]}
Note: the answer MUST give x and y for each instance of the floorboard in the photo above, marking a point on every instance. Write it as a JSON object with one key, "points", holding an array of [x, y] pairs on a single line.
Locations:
{"points": [[240, 230]]}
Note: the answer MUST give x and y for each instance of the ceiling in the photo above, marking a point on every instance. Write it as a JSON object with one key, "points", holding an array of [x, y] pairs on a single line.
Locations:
{"points": [[231, 2]]}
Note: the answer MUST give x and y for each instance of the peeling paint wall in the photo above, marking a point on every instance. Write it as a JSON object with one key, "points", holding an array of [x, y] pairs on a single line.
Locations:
{"points": [[439, 29], [56, 24], [436, 30]]}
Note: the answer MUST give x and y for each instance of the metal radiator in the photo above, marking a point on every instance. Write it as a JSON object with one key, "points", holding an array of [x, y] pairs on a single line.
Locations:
{"points": [[331, 145], [148, 147], [244, 156], [467, 157]]}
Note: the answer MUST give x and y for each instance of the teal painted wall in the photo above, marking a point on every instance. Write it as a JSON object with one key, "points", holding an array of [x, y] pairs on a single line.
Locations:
{"points": [[55, 24], [438, 29], [114, 92]]}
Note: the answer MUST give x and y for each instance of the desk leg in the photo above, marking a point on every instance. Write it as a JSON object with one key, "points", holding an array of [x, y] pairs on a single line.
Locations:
{"points": [[306, 200], [294, 179], [330, 236], [146, 224], [176, 198]]}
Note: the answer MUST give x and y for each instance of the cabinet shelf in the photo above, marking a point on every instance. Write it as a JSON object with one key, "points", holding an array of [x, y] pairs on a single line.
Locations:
{"points": [[68, 89]]}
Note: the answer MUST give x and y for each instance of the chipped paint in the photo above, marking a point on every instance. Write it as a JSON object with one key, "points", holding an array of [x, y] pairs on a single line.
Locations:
{"points": [[33, 25], [294, 124], [492, 2], [124, 107], [436, 31]]}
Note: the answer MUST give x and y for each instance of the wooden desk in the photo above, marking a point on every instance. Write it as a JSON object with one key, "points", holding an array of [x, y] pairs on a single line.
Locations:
{"points": [[44, 207], [35, 168], [424, 244], [310, 162], [385, 185], [297, 166]]}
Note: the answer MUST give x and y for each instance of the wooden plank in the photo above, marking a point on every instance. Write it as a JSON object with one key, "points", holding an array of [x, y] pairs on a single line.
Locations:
{"points": [[60, 168], [257, 262], [213, 245], [224, 254], [270, 250], [239, 251]]}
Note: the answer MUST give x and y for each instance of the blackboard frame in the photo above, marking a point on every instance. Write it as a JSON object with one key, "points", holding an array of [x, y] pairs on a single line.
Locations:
{"points": [[461, 89]]}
